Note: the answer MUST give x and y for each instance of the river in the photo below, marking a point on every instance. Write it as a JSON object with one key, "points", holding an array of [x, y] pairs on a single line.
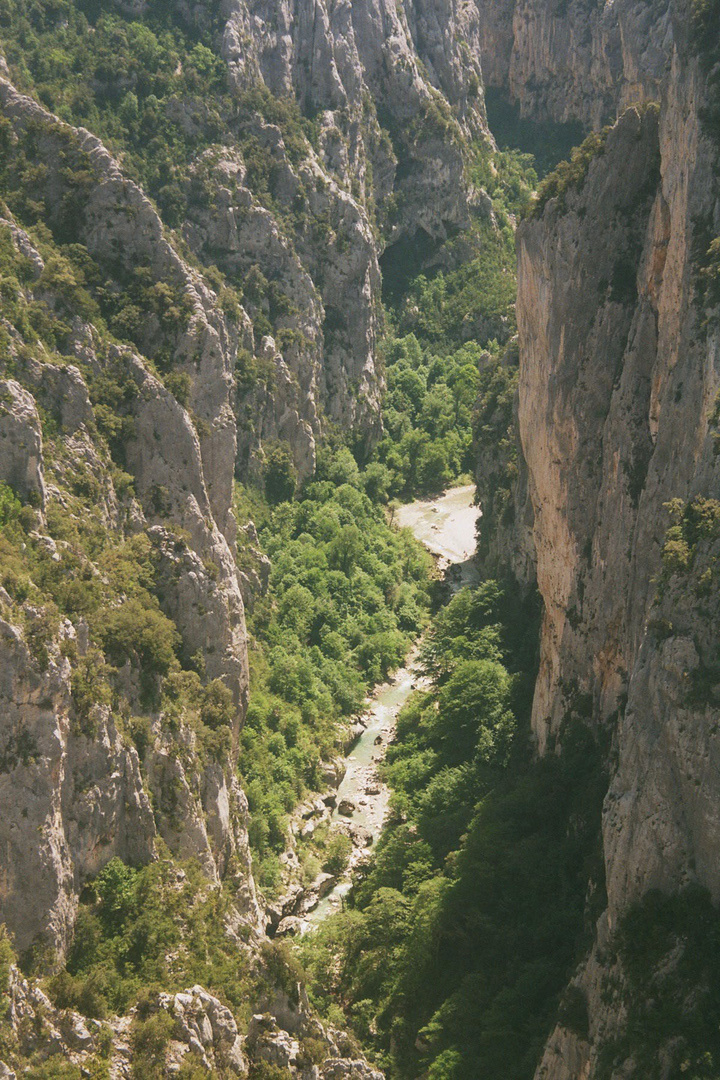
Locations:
{"points": [[446, 526]]}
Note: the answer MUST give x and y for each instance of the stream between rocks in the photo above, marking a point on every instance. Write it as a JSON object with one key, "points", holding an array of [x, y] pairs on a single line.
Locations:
{"points": [[446, 526]]}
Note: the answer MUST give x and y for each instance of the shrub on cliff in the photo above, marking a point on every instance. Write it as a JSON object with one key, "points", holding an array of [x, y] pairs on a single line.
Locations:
{"points": [[569, 175], [141, 635]]}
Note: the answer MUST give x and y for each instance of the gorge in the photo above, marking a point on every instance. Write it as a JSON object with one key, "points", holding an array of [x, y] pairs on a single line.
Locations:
{"points": [[271, 271]]}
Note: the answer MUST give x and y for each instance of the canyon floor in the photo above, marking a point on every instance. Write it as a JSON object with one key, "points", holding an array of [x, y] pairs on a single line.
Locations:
{"points": [[446, 526]]}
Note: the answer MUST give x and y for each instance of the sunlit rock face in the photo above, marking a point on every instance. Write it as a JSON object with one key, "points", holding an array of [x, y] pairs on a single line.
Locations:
{"points": [[74, 792], [618, 380]]}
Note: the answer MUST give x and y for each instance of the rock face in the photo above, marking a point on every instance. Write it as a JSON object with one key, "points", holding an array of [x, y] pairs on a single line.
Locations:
{"points": [[69, 802], [618, 380], [567, 404], [578, 60], [206, 1029], [21, 441], [132, 394], [68, 778], [395, 92], [328, 54]]}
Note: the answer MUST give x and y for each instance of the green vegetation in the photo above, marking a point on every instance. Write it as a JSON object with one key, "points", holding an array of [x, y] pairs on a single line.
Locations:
{"points": [[442, 403], [446, 334], [475, 301], [547, 143], [154, 88], [669, 949], [696, 525], [427, 418], [348, 594], [46, 177], [128, 82], [142, 931], [688, 588], [569, 175], [452, 958], [19, 1040], [111, 583]]}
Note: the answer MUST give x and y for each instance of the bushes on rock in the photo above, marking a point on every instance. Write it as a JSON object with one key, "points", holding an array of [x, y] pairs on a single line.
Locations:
{"points": [[138, 634], [142, 930], [569, 175]]}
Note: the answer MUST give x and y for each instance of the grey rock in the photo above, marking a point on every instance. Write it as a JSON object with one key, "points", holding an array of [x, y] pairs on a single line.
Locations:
{"points": [[583, 61], [208, 1028], [68, 802], [606, 445], [21, 458], [342, 1069], [332, 772], [291, 925]]}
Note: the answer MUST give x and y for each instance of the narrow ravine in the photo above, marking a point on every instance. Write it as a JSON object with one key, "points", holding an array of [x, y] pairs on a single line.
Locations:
{"points": [[446, 526]]}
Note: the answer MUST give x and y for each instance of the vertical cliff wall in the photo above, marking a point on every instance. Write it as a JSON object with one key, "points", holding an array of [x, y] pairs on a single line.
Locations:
{"points": [[619, 376], [578, 60]]}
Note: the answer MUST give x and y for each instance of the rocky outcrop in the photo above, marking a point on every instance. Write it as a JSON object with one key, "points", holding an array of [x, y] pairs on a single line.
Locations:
{"points": [[199, 1033], [21, 441], [206, 1029], [288, 1037], [578, 60], [69, 800]]}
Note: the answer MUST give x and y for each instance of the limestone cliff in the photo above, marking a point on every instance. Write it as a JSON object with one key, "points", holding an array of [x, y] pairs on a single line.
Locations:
{"points": [[618, 379], [578, 60], [396, 92], [82, 785]]}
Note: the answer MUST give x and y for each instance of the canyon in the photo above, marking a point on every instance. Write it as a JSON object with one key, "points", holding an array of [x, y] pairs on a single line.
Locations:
{"points": [[168, 334]]}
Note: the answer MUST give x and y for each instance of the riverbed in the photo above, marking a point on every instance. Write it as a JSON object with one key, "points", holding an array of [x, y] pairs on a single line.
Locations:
{"points": [[447, 528], [446, 525]]}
